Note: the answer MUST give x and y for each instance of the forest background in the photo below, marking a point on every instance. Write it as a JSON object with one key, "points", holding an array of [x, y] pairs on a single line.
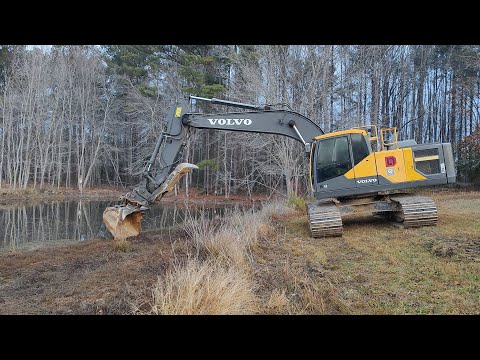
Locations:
{"points": [[85, 116]]}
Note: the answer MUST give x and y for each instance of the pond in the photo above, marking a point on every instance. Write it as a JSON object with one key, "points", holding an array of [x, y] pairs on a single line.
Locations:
{"points": [[27, 227]]}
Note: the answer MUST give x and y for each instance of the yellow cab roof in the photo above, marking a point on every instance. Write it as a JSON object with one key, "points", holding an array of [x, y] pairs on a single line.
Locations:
{"points": [[343, 132]]}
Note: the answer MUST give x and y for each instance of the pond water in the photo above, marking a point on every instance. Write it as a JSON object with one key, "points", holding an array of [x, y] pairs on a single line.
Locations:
{"points": [[57, 222]]}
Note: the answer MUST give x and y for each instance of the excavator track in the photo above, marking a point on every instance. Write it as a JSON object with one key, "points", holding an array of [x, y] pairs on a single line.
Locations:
{"points": [[324, 219], [415, 211]]}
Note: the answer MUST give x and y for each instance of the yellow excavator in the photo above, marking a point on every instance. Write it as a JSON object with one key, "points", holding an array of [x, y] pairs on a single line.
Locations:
{"points": [[360, 170]]}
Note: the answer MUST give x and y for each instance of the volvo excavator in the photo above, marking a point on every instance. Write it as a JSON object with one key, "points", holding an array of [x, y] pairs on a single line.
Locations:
{"points": [[360, 170]]}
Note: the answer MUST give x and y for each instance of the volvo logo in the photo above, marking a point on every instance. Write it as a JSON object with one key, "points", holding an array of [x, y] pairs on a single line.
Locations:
{"points": [[366, 181], [230, 121]]}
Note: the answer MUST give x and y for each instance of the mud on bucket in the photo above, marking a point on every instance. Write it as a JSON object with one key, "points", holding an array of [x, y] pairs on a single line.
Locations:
{"points": [[123, 221]]}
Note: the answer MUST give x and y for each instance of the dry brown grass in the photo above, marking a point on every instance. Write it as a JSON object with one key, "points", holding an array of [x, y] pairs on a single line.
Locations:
{"points": [[122, 245], [313, 299], [218, 279], [300, 296], [205, 288], [278, 302], [231, 241]]}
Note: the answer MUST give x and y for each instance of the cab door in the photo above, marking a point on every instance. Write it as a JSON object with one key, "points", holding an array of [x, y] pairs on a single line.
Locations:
{"points": [[365, 168], [332, 161]]}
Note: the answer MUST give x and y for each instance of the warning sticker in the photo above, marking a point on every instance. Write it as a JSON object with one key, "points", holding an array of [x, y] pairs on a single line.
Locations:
{"points": [[178, 111], [390, 171]]}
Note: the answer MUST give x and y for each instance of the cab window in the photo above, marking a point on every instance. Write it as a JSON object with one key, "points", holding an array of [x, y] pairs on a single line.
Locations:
{"points": [[359, 148], [333, 158]]}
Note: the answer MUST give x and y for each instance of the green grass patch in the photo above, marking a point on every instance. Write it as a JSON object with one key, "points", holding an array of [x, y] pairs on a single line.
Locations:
{"points": [[297, 202]]}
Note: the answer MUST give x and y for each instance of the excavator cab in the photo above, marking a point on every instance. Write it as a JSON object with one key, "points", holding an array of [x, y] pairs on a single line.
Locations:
{"points": [[359, 161], [333, 158]]}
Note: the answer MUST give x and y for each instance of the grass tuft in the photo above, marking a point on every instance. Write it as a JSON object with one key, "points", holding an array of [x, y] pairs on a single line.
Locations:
{"points": [[122, 245], [219, 277], [297, 202], [204, 288], [278, 302]]}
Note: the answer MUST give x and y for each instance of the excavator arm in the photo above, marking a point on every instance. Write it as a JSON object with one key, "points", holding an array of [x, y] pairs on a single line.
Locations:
{"points": [[160, 177]]}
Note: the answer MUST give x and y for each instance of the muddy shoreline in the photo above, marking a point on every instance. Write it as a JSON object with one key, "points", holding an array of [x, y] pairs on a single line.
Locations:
{"points": [[85, 278], [31, 196]]}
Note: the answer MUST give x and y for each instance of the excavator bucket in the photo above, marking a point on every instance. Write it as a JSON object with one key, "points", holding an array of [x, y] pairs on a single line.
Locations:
{"points": [[124, 221]]}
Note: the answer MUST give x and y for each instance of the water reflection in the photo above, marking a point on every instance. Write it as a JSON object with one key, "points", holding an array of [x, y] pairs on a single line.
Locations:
{"points": [[33, 226]]}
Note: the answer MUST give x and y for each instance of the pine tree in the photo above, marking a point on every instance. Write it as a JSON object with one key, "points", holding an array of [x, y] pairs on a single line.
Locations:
{"points": [[6, 54], [138, 63], [203, 68]]}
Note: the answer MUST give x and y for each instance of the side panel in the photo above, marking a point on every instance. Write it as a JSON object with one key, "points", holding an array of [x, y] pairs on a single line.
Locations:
{"points": [[428, 161], [410, 172], [375, 189], [339, 184], [390, 166], [365, 172]]}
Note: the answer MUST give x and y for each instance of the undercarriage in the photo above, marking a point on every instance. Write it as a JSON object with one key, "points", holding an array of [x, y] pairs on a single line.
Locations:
{"points": [[406, 210]]}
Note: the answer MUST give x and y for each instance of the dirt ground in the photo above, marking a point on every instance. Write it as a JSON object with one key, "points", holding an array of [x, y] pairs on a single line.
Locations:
{"points": [[86, 278], [375, 268]]}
